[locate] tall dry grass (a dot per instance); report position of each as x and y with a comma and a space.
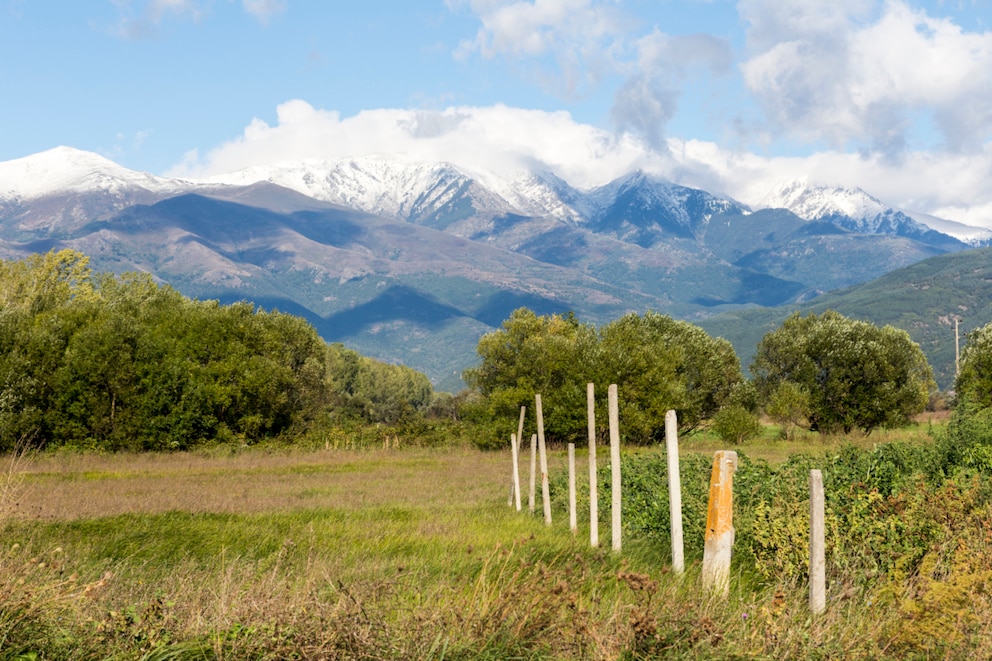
407, 554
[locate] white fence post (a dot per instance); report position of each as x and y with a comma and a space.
720, 524
573, 521
516, 470
533, 471
593, 490
543, 451
520, 439
674, 491
614, 414
817, 551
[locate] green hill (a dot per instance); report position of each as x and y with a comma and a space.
923, 299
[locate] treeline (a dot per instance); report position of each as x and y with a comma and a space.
823, 373
120, 362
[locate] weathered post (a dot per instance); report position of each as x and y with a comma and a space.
516, 470
533, 470
520, 438
613, 406
543, 451
674, 491
720, 524
593, 490
817, 550
573, 522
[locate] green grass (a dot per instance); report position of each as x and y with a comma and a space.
385, 554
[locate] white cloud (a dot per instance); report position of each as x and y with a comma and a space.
264, 10
876, 75
648, 99
505, 140
495, 138
583, 37
590, 40
146, 21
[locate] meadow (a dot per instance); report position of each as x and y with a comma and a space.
409, 553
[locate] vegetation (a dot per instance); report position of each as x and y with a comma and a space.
974, 381
343, 554
923, 299
852, 374
658, 363
105, 362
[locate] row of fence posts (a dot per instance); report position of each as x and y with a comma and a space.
719, 541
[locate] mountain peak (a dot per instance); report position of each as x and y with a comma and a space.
67, 169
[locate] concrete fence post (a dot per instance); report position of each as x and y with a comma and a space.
520, 439
674, 491
719, 545
817, 550
573, 520
533, 471
516, 469
542, 450
593, 490
613, 406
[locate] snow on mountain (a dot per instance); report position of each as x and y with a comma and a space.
975, 236
384, 187
68, 170
851, 208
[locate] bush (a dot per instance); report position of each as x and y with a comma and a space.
735, 425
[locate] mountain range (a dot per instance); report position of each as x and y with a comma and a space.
411, 262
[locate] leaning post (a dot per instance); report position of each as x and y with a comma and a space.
720, 524
593, 490
674, 491
520, 438
817, 552
614, 414
516, 470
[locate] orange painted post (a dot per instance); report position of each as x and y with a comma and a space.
720, 524
593, 488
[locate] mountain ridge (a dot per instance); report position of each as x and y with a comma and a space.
356, 245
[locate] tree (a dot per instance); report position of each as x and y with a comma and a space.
974, 380
550, 355
662, 363
855, 374
658, 364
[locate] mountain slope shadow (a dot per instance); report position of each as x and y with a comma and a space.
397, 303
499, 306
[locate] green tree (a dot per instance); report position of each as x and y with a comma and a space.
661, 363
856, 375
974, 380
552, 355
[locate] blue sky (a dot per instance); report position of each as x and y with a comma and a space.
891, 95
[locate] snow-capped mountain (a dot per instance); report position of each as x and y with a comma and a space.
66, 170
391, 255
850, 208
643, 209
57, 190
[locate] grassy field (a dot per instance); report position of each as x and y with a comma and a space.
400, 554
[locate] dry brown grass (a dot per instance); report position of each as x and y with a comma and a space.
79, 486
